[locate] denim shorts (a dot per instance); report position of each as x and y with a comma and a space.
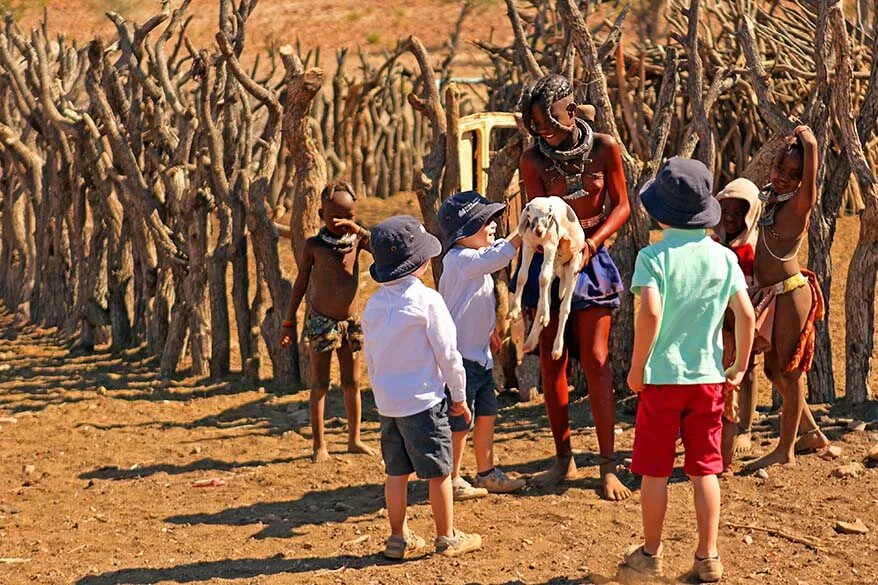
480, 395
419, 443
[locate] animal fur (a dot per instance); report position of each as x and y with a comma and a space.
549, 224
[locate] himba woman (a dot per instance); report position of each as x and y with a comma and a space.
571, 161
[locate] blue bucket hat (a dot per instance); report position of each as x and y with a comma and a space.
680, 195
400, 245
463, 214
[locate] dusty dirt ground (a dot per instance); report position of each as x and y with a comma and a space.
100, 464
99, 461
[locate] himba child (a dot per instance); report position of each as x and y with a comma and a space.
737, 230
468, 225
411, 353
787, 299
329, 269
685, 283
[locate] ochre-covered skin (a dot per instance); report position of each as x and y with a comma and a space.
794, 170
603, 179
333, 279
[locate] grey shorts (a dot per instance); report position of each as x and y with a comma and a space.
480, 395
419, 443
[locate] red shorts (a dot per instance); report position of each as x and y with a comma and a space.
692, 410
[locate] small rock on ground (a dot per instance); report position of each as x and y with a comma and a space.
857, 425
853, 470
831, 452
856, 527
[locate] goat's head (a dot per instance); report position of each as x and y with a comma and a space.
538, 218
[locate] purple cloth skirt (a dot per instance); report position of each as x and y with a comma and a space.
598, 285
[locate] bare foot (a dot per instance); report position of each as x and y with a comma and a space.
776, 457
743, 442
321, 454
360, 448
612, 488
563, 468
813, 440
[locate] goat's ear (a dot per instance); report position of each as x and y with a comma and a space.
524, 218
571, 215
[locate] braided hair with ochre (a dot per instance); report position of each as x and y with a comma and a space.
544, 93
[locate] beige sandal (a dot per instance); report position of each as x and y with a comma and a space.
400, 548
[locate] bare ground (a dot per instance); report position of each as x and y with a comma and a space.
100, 460
100, 464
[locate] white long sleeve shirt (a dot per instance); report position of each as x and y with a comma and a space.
410, 347
468, 290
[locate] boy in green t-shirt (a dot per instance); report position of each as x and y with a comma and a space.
685, 283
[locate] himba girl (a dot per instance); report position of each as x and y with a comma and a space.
571, 161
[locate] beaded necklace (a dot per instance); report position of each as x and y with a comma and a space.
578, 157
772, 201
339, 244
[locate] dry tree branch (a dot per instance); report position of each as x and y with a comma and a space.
451, 178
772, 113
706, 143
523, 55
427, 182
585, 46
614, 37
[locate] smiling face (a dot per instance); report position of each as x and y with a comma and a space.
482, 238
786, 172
564, 111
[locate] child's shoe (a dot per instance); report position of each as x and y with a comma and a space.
640, 562
460, 543
399, 548
708, 570
497, 482
462, 490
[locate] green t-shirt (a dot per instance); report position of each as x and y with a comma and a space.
696, 278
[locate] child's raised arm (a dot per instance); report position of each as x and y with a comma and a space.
806, 196
488, 260
745, 330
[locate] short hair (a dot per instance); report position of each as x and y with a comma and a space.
795, 147
544, 93
790, 147
333, 186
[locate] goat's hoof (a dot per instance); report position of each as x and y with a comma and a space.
556, 354
514, 314
544, 320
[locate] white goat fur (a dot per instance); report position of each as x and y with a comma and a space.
551, 224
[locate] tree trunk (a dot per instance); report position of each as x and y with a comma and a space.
120, 269
863, 270
500, 174
860, 307
301, 87
428, 182
220, 339
195, 283
92, 306
241, 281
